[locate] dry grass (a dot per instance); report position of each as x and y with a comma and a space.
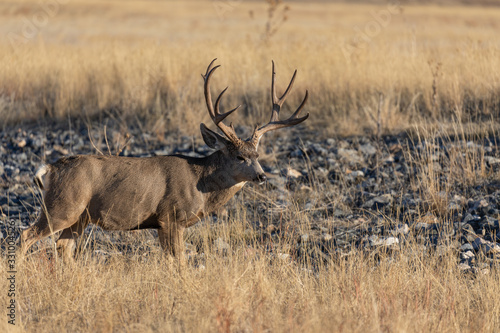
250, 289
262, 282
141, 62
438, 173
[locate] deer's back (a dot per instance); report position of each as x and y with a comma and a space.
122, 193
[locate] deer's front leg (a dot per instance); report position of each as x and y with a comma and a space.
172, 239
67, 239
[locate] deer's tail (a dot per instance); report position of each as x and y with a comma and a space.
39, 176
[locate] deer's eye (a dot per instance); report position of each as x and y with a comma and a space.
241, 158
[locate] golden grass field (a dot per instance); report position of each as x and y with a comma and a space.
143, 60
250, 291
139, 62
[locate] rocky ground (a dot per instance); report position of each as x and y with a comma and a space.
439, 194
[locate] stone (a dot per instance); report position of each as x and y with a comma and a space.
296, 153
21, 143
463, 266
469, 217
492, 160
488, 223
284, 256
334, 205
454, 206
379, 202
486, 246
292, 173
330, 142
305, 189
375, 240
190, 249
481, 207
271, 228
428, 219
276, 181
402, 229
466, 247
467, 255
478, 243
60, 150
483, 271
326, 237
368, 149
354, 175
250, 252
350, 155
221, 246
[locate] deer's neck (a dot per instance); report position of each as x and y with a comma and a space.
216, 183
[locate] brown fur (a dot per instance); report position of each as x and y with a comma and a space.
169, 193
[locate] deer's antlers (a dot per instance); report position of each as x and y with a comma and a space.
216, 116
275, 123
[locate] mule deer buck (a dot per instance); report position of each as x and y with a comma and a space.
168, 193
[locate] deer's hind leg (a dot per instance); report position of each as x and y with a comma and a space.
37, 231
45, 227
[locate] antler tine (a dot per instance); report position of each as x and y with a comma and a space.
209, 68
275, 98
215, 114
278, 102
275, 123
291, 121
297, 112
221, 117
208, 95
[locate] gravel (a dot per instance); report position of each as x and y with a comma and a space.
355, 192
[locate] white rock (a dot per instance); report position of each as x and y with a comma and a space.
454, 206
368, 149
350, 155
487, 246
283, 256
467, 255
21, 143
221, 245
355, 175
492, 160
326, 237
402, 229
383, 241
292, 173
463, 266
305, 189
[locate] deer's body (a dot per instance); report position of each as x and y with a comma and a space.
168, 193
126, 193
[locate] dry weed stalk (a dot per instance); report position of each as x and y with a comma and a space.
435, 71
275, 18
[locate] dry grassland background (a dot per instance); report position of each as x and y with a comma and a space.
142, 60
423, 70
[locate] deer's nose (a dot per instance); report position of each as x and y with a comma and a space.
261, 178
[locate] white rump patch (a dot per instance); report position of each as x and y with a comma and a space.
40, 175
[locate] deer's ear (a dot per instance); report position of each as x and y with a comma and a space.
212, 139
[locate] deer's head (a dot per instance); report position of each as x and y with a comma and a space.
240, 156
